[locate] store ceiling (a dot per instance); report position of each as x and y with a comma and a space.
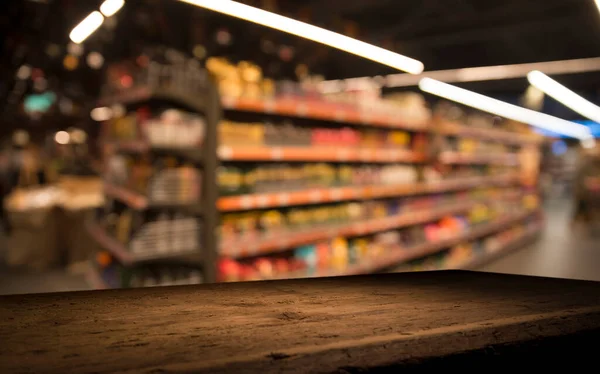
444, 34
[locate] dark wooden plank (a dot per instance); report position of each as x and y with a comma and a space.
295, 326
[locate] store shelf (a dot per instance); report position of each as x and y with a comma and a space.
122, 254
323, 154
399, 255
286, 240
144, 94
95, 280
138, 201
141, 146
131, 198
481, 158
320, 110
328, 195
514, 244
450, 128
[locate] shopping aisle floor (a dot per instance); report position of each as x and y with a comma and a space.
561, 252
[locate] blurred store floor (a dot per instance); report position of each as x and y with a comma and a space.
561, 252
13, 281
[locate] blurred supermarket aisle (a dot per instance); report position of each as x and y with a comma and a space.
561, 252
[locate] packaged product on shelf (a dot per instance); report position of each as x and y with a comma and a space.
308, 255
242, 134
398, 139
230, 180
323, 255
272, 222
174, 128
420, 142
339, 254
147, 234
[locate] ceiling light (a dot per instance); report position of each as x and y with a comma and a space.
24, 72
311, 32
62, 137
86, 27
70, 62
20, 137
533, 98
489, 73
110, 7
75, 49
199, 51
101, 114
563, 95
500, 108
95, 60
223, 37
78, 136
588, 143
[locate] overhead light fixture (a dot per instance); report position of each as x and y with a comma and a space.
86, 27
110, 7
101, 114
95, 60
502, 109
62, 137
314, 33
564, 95
24, 72
487, 73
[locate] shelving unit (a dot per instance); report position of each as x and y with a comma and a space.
399, 255
323, 111
452, 196
204, 102
329, 195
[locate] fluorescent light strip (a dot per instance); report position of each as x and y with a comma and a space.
564, 95
311, 32
502, 109
477, 74
110, 7
86, 27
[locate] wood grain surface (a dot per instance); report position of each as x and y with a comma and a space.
293, 326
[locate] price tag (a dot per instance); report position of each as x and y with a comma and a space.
277, 153
343, 154
302, 109
262, 201
246, 202
364, 117
253, 249
315, 196
270, 106
283, 199
228, 102
364, 155
224, 152
336, 195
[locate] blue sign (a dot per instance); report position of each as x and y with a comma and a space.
39, 102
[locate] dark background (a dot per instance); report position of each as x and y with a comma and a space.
443, 34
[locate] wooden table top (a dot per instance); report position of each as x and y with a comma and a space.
295, 326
